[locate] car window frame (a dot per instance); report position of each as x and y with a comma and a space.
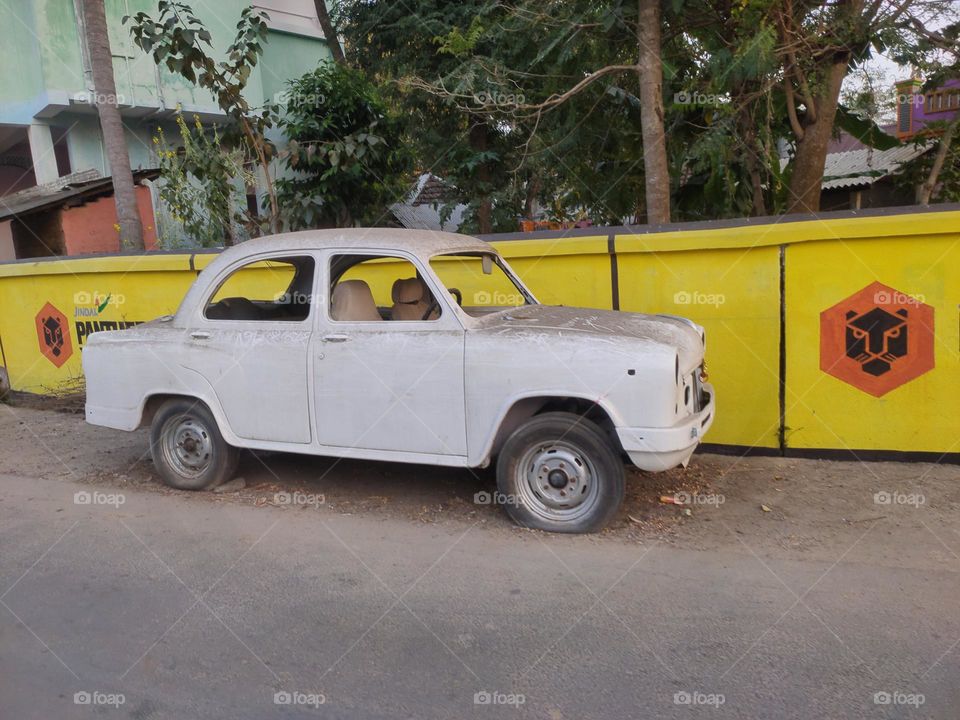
218, 282
425, 272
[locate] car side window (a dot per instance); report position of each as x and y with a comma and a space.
378, 288
276, 289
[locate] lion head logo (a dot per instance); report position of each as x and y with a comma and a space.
876, 339
53, 335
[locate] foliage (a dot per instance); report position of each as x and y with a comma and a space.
178, 39
395, 42
495, 100
914, 173
199, 184
348, 158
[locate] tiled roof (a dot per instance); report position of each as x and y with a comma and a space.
73, 189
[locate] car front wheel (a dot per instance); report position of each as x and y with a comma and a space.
559, 472
187, 448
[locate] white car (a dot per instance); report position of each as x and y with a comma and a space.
407, 346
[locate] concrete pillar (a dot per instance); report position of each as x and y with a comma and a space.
41, 151
7, 250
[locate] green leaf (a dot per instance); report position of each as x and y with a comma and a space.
865, 130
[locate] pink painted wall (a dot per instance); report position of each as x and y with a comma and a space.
89, 228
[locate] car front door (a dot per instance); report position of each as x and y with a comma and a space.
251, 343
381, 382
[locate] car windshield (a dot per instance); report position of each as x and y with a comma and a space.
480, 282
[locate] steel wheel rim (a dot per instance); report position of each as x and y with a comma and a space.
186, 445
557, 481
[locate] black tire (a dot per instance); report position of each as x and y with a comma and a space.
187, 448
560, 472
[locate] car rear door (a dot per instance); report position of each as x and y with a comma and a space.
254, 357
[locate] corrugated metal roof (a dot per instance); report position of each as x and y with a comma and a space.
864, 167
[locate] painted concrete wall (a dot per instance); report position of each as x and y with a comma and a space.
788, 366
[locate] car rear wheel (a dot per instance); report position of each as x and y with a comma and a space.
187, 448
559, 472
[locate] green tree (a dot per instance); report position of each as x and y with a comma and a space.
178, 39
346, 154
201, 184
397, 42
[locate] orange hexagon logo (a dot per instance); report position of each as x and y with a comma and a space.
877, 339
53, 333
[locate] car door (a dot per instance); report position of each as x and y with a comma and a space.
250, 341
382, 384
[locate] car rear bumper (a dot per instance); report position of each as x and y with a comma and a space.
116, 418
657, 449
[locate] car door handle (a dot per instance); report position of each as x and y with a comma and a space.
200, 335
335, 338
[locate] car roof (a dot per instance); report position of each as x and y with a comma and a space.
419, 242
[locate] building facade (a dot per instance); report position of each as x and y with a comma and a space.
48, 122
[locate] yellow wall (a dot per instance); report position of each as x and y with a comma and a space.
824, 411
727, 279
735, 295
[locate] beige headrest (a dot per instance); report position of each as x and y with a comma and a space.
353, 301
411, 290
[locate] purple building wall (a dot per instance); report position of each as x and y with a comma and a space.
915, 110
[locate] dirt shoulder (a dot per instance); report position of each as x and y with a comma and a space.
792, 507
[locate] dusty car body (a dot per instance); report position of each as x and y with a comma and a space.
443, 375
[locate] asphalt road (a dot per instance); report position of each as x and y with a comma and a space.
169, 606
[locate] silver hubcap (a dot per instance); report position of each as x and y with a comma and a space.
557, 481
187, 446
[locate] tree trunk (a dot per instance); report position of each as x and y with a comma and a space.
329, 32
925, 191
656, 172
812, 145
111, 124
478, 142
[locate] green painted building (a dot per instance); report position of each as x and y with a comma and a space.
48, 125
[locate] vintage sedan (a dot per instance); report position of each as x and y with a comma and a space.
407, 346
